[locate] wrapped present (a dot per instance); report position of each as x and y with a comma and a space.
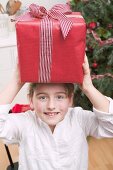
51, 45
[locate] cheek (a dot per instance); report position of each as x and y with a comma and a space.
40, 107
64, 106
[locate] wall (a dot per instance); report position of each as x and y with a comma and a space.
47, 3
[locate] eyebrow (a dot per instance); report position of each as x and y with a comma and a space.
42, 93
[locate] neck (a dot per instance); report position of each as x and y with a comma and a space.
52, 128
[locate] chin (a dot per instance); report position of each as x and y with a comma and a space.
54, 123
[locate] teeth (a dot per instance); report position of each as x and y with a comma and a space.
51, 114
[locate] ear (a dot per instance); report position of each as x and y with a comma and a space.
71, 100
31, 106
31, 102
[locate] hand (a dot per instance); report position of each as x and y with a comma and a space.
87, 82
98, 100
16, 75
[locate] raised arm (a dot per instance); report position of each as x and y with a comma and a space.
8, 94
99, 101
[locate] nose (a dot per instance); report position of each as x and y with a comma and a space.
51, 104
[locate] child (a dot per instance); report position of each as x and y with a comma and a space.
52, 135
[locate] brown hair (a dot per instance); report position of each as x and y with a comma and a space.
33, 86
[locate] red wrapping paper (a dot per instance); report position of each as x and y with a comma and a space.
67, 54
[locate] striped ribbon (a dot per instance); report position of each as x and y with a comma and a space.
58, 12
45, 50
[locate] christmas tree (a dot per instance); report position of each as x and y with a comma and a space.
99, 45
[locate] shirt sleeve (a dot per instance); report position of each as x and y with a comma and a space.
9, 125
110, 105
97, 124
105, 122
5, 108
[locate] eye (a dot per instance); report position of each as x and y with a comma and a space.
60, 97
42, 98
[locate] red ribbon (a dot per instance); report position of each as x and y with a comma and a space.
58, 13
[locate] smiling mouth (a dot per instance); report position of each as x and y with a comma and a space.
51, 114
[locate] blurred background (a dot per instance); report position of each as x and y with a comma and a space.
99, 45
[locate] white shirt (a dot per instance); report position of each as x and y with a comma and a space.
66, 148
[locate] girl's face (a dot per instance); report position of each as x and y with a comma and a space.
51, 103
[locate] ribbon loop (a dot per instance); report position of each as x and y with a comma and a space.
65, 23
37, 11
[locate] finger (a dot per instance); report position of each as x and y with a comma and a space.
86, 65
86, 60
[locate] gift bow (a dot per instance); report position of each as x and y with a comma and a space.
58, 13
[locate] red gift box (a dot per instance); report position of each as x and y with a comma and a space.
67, 54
